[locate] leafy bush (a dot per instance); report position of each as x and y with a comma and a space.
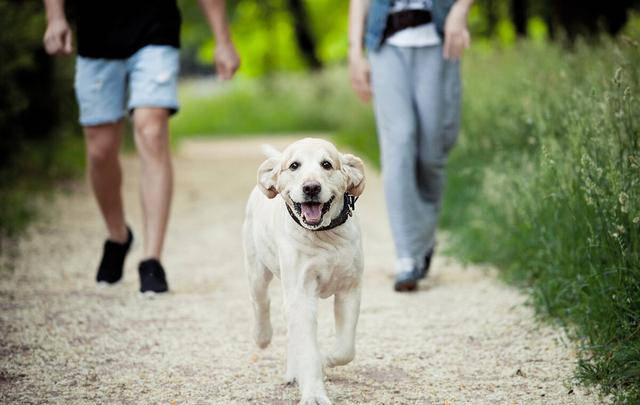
37, 111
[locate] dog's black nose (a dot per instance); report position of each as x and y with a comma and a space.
311, 188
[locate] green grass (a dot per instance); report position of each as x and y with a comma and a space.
544, 182
278, 104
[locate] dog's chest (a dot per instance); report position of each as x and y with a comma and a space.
335, 269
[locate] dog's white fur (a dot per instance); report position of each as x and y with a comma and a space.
310, 264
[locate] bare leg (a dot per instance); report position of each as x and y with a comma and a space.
346, 309
151, 127
103, 145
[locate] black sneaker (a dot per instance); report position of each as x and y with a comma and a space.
113, 255
152, 278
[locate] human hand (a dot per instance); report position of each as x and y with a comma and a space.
57, 38
360, 75
456, 34
226, 60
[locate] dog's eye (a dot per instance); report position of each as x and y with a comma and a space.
326, 165
294, 165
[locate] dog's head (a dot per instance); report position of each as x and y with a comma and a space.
312, 178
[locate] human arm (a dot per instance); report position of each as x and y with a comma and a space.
359, 71
456, 34
226, 57
57, 38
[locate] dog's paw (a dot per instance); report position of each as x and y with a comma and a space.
328, 360
337, 358
289, 378
262, 335
315, 400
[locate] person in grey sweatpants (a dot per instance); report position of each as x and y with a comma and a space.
412, 70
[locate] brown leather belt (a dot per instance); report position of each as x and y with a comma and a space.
405, 19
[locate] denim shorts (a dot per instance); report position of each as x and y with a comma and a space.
107, 88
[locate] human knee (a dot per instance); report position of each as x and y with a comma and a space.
431, 161
399, 136
151, 134
398, 153
101, 149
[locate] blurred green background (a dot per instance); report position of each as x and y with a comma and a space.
544, 182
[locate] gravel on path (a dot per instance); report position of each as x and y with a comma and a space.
463, 338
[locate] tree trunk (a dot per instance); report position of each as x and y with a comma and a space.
616, 17
304, 37
519, 16
492, 17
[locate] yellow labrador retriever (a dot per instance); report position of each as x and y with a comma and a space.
309, 239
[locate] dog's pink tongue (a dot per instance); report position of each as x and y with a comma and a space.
312, 212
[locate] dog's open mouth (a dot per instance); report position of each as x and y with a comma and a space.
312, 212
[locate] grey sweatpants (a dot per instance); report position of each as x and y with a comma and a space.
417, 109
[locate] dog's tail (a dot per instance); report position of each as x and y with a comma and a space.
270, 151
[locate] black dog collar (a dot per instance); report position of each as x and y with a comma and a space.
347, 208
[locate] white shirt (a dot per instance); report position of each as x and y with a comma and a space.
422, 35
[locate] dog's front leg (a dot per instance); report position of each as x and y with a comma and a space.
346, 308
303, 357
259, 279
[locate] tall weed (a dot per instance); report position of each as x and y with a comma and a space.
549, 175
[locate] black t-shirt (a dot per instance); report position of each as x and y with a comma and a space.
116, 29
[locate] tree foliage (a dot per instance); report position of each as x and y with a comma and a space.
286, 35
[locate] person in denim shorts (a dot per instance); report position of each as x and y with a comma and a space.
128, 62
412, 71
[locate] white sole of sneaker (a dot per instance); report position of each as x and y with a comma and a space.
148, 295
102, 285
151, 295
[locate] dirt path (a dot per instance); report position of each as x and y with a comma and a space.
464, 338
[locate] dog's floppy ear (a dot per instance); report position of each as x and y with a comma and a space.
268, 176
353, 168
